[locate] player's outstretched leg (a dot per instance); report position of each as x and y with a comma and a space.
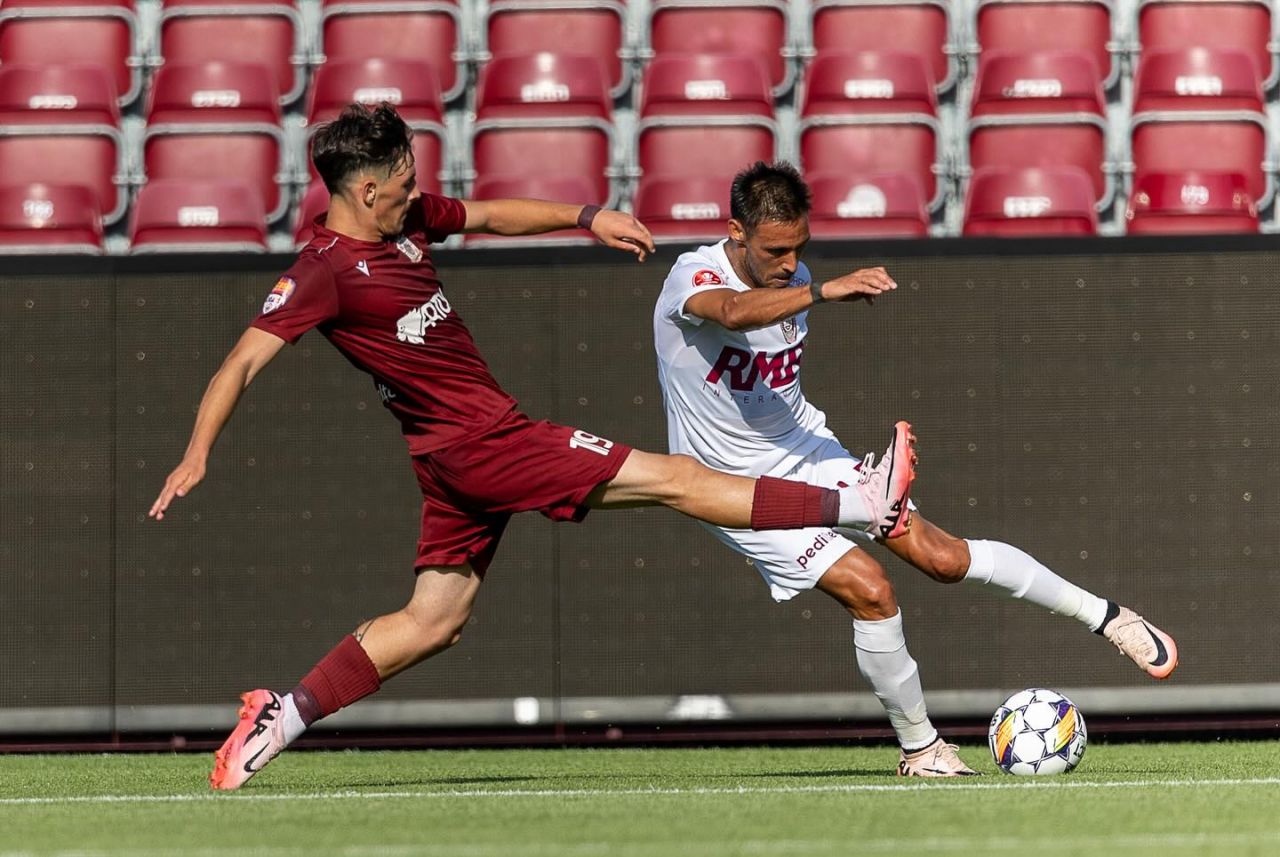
257, 739
1143, 643
939, 759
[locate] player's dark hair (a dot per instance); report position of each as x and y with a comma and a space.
768, 193
361, 138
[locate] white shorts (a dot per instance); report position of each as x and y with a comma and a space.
791, 561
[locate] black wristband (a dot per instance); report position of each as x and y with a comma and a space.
815, 292
587, 215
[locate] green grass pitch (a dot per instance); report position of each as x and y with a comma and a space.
1130, 799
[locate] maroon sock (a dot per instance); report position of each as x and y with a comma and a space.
342, 677
781, 504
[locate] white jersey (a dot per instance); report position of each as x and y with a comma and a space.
733, 398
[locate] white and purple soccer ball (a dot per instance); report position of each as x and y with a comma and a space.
1037, 732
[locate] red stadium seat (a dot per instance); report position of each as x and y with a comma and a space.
1233, 24
410, 85
545, 115
217, 120
911, 26
589, 27
183, 216
60, 125
1041, 110
1030, 201
871, 112
889, 205
47, 218
702, 112
1200, 109
1190, 203
262, 31
755, 28
570, 189
1031, 26
314, 203
418, 30
75, 32
683, 208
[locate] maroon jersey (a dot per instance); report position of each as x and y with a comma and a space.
381, 304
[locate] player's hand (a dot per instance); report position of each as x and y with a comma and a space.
621, 231
184, 477
866, 284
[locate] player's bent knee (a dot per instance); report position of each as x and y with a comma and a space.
949, 564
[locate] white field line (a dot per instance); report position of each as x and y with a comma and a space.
839, 788
927, 844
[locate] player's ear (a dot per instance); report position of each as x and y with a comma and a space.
737, 234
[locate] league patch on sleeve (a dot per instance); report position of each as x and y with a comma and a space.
279, 295
706, 277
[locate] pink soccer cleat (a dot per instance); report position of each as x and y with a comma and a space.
1146, 645
885, 487
939, 759
257, 739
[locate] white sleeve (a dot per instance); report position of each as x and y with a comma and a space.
685, 279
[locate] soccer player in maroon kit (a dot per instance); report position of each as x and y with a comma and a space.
366, 281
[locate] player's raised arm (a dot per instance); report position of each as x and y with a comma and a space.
615, 229
255, 350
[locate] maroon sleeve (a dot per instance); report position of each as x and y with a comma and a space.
442, 216
303, 298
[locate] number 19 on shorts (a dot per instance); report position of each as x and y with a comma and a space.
588, 441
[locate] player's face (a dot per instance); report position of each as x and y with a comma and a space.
771, 251
391, 203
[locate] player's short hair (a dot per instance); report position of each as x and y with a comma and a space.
768, 193
361, 138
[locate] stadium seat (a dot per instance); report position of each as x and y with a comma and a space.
1031, 26
1030, 201
545, 115
1200, 109
61, 125
49, 218
1236, 24
1041, 110
911, 26
702, 113
185, 216
75, 32
756, 28
314, 203
1189, 203
871, 112
216, 120
683, 208
419, 30
262, 31
570, 189
410, 85
590, 27
845, 205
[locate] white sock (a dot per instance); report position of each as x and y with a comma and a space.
1023, 577
291, 720
853, 509
885, 663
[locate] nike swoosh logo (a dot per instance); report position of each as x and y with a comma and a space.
1162, 656
247, 765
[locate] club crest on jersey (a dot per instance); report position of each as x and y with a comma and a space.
279, 295
706, 277
789, 329
409, 249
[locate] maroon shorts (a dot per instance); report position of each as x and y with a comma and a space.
471, 488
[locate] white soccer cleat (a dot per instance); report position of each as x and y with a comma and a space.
885, 488
257, 739
1146, 645
939, 759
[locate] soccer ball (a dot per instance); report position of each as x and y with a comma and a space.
1037, 731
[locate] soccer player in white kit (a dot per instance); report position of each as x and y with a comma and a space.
729, 329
